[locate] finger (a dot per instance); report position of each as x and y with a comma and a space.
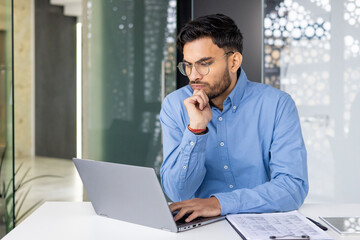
178, 205
196, 91
196, 99
193, 216
181, 213
202, 102
204, 98
175, 206
188, 202
203, 95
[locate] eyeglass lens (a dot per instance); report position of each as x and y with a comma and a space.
201, 67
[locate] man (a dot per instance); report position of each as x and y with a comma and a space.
230, 145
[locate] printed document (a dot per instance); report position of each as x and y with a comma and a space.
281, 225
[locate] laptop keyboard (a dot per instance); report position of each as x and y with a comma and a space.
181, 221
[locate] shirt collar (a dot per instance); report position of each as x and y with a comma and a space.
238, 92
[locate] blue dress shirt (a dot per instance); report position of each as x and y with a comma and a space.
253, 159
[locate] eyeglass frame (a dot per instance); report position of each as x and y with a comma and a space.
199, 61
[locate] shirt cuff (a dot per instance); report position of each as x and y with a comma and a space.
193, 143
228, 201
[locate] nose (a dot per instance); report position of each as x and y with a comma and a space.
194, 75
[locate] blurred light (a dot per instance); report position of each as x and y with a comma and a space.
309, 32
319, 32
267, 22
296, 33
349, 40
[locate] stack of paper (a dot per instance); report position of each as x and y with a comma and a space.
289, 225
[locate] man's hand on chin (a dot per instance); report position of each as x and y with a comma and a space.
198, 207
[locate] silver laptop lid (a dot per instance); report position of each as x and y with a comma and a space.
128, 193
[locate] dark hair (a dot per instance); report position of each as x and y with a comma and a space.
222, 29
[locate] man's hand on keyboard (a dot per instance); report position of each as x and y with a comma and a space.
198, 207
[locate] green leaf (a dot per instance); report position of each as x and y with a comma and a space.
8, 199
17, 186
22, 200
8, 187
21, 196
17, 170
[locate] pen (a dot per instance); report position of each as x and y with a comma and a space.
318, 224
302, 237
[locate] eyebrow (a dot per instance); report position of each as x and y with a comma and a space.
200, 60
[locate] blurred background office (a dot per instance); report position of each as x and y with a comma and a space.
86, 78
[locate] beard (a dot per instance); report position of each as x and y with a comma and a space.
219, 87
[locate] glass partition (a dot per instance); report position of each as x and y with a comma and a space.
129, 63
6, 119
312, 51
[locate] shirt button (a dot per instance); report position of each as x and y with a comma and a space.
220, 119
234, 107
226, 167
184, 167
231, 186
222, 144
192, 143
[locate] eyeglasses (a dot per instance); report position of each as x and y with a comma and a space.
202, 67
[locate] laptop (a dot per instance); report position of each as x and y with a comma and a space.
132, 194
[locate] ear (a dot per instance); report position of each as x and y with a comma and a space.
236, 61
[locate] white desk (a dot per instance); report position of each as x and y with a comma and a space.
77, 220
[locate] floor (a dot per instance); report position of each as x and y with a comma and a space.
52, 180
